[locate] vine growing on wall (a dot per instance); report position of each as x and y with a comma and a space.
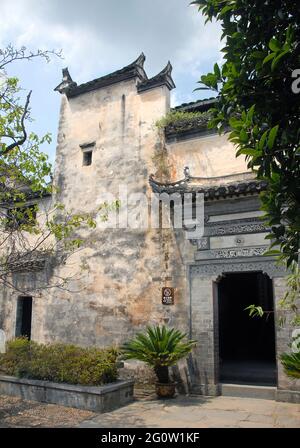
160, 158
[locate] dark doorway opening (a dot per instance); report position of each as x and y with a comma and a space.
24, 315
246, 345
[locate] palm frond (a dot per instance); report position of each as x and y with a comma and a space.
158, 346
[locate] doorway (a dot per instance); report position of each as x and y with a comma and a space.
24, 316
246, 344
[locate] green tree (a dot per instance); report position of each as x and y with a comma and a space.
30, 231
259, 102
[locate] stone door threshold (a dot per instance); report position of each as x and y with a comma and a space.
264, 392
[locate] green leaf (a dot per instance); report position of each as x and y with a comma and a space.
289, 33
243, 136
258, 54
262, 140
272, 136
254, 311
226, 9
201, 88
272, 252
217, 71
278, 58
274, 44
269, 57
250, 113
235, 123
249, 152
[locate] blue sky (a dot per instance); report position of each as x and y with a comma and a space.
100, 36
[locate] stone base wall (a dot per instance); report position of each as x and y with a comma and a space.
288, 396
98, 399
137, 371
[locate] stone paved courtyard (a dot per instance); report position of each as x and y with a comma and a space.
200, 412
17, 413
147, 411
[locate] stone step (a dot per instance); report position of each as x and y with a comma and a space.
247, 391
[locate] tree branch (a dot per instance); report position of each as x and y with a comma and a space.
10, 54
22, 139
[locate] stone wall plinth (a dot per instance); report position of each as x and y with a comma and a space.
93, 398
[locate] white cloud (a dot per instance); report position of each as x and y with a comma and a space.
201, 47
99, 36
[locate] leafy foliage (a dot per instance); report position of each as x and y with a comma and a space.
62, 363
30, 229
257, 101
181, 120
159, 347
255, 311
21, 163
291, 364
291, 300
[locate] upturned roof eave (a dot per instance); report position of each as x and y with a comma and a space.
222, 190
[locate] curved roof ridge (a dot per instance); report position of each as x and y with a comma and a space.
239, 187
203, 104
164, 77
133, 70
189, 178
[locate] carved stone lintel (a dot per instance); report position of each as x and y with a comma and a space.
201, 243
216, 269
239, 252
234, 228
233, 252
239, 240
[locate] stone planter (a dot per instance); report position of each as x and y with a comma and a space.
93, 398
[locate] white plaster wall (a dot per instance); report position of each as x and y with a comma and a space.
207, 156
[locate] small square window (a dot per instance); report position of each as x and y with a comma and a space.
87, 153
87, 158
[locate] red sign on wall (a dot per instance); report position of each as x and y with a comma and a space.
168, 296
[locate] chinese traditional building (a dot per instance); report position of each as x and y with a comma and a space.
108, 137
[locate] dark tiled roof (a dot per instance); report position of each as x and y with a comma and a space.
200, 105
67, 82
163, 78
190, 126
133, 70
211, 191
194, 125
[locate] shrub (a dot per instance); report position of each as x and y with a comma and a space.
183, 121
16, 357
159, 347
62, 363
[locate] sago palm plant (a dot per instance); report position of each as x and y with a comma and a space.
159, 347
